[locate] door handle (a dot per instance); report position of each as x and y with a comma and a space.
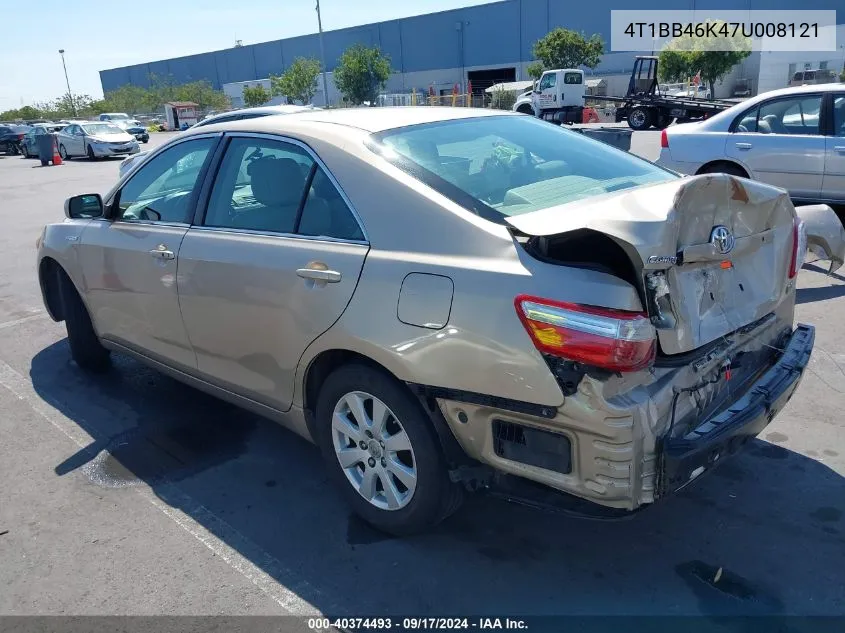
839, 148
317, 274
162, 253
743, 146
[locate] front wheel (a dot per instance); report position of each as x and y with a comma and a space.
381, 450
90, 153
63, 153
639, 119
24, 151
85, 347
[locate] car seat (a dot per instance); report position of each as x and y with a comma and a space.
277, 185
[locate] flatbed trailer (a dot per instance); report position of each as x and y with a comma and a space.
644, 107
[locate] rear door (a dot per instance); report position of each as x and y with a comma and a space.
833, 186
780, 143
270, 266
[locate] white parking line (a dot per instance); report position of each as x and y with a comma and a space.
40, 314
275, 580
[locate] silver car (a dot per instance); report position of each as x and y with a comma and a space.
448, 299
792, 138
95, 140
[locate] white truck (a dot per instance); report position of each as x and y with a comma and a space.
557, 97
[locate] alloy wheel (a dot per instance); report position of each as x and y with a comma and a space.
374, 451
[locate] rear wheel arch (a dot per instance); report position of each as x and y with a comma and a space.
723, 166
328, 361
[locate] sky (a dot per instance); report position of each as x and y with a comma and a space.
100, 34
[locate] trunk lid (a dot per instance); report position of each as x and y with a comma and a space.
714, 250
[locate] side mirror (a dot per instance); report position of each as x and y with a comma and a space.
86, 206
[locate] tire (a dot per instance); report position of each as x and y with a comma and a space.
724, 168
639, 119
14, 150
90, 153
24, 151
63, 153
432, 496
663, 122
146, 140
525, 109
85, 347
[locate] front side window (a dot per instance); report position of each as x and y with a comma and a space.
161, 190
548, 81
500, 166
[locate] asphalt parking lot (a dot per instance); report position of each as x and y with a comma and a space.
133, 494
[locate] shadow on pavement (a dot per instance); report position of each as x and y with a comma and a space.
764, 533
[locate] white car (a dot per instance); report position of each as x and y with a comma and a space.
223, 117
95, 140
792, 138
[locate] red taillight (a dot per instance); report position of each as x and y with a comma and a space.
664, 139
612, 339
799, 247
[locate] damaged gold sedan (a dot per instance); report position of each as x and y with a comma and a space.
448, 300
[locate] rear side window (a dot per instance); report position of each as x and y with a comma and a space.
276, 187
799, 115
839, 116
572, 78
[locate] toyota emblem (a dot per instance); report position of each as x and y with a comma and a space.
722, 239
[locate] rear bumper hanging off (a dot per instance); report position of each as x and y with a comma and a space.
683, 459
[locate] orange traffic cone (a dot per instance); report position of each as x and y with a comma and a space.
57, 158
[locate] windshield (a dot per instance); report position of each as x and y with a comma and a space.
101, 128
509, 165
117, 115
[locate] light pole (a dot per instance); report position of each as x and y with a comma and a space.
322, 55
67, 81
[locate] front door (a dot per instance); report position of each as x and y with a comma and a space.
833, 187
271, 266
130, 261
780, 143
546, 95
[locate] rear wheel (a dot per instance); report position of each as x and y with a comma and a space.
85, 347
14, 150
382, 452
663, 121
639, 119
723, 168
24, 151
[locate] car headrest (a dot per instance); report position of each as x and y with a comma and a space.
276, 181
763, 127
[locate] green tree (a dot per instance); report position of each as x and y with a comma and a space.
255, 96
713, 56
565, 48
361, 72
298, 82
26, 113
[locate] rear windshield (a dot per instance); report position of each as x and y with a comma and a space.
509, 165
